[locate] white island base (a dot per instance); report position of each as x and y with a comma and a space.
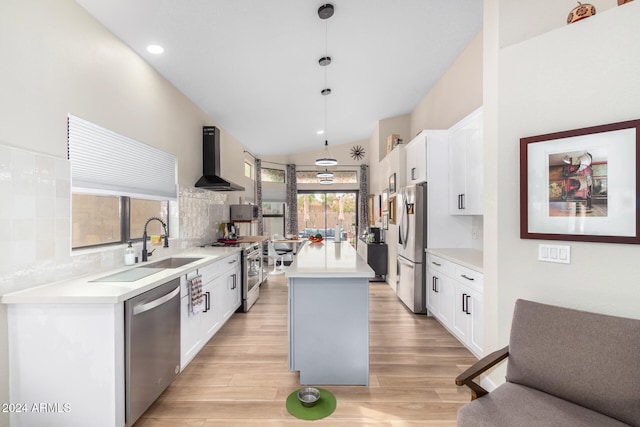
329, 315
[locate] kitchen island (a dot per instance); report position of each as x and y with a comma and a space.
329, 315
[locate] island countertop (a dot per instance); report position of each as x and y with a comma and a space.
329, 259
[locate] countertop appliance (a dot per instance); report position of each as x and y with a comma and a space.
240, 213
211, 179
252, 271
152, 346
424, 222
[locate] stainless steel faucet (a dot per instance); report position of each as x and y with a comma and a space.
146, 254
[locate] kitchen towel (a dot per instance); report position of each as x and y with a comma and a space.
196, 296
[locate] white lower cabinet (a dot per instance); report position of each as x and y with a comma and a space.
454, 297
222, 291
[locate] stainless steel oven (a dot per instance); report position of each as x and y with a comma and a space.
252, 274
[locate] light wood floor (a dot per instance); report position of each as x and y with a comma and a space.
240, 377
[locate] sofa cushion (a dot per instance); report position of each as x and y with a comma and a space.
586, 358
513, 405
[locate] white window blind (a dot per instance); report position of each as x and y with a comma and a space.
104, 162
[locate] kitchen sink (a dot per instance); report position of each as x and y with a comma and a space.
145, 270
130, 275
173, 262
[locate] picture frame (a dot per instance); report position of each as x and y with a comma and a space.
392, 183
385, 220
370, 209
581, 184
392, 209
385, 200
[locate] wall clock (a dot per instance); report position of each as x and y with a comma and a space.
357, 152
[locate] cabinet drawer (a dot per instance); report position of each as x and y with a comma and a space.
468, 277
435, 263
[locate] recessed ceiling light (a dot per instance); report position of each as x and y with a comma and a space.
155, 49
320, 132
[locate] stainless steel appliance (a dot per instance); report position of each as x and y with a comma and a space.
244, 213
412, 227
252, 275
424, 222
152, 346
252, 271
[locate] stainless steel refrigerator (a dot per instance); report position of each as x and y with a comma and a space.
424, 222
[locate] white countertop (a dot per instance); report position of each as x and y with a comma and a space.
329, 259
470, 258
82, 290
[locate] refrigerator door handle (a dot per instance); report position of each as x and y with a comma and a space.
404, 221
405, 262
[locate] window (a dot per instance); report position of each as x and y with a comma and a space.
103, 219
248, 170
339, 177
117, 184
272, 175
273, 218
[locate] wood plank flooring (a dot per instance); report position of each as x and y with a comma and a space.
240, 378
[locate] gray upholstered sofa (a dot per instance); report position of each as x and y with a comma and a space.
565, 368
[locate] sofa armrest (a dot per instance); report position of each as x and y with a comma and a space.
481, 366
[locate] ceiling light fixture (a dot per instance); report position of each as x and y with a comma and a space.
326, 181
155, 49
325, 158
326, 173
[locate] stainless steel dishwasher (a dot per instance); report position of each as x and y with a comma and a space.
152, 346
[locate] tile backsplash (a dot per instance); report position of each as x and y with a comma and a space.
35, 223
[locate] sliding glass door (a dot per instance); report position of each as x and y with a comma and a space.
319, 212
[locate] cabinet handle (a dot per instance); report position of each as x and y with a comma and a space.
467, 277
232, 261
467, 310
207, 305
464, 302
436, 264
459, 201
462, 197
235, 281
435, 284
413, 173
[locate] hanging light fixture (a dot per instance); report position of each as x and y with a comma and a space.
326, 181
326, 173
325, 158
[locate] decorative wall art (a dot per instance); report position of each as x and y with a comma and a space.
392, 183
582, 184
385, 200
385, 220
392, 209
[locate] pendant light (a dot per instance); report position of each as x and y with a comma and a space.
326, 173
326, 181
325, 158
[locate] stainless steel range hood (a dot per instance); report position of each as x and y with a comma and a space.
211, 179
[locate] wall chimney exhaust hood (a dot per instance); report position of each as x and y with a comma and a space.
211, 179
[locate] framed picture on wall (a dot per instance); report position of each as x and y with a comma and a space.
385, 200
392, 209
392, 183
581, 184
385, 220
370, 209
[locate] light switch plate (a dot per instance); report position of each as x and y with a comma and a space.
554, 253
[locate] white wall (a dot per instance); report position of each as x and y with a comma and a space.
575, 76
56, 59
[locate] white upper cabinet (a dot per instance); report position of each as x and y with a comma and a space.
465, 165
416, 159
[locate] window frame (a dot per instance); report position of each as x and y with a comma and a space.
125, 221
